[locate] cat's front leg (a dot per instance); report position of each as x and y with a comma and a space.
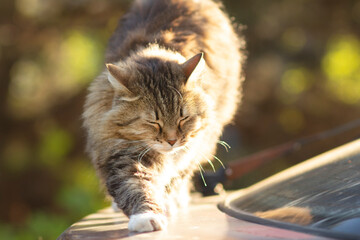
135, 194
135, 197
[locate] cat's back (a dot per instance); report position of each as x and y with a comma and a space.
185, 26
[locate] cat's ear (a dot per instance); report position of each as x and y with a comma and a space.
117, 77
194, 66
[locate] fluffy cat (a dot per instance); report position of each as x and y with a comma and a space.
171, 84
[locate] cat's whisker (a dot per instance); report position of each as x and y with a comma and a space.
201, 169
225, 145
201, 174
209, 161
142, 153
227, 150
218, 159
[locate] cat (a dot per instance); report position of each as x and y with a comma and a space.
171, 83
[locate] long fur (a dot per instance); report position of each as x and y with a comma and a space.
150, 45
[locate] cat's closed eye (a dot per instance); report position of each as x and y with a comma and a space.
155, 125
183, 120
127, 122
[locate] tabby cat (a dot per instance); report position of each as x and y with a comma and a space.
156, 112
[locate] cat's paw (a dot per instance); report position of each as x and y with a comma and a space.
147, 222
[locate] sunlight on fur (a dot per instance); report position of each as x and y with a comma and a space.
157, 111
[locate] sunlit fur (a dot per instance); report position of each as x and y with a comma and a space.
129, 131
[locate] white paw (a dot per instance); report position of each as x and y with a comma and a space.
147, 222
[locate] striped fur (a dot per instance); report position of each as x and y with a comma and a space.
131, 123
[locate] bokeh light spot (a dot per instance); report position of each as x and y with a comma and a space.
80, 60
341, 65
295, 81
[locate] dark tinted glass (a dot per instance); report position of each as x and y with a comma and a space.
322, 194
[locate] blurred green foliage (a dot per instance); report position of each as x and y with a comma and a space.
81, 57
303, 76
63, 67
49, 181
54, 146
341, 64
295, 80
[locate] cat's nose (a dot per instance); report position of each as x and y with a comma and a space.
172, 142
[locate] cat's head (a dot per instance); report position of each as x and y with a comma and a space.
159, 102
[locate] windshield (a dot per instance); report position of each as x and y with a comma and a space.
321, 195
